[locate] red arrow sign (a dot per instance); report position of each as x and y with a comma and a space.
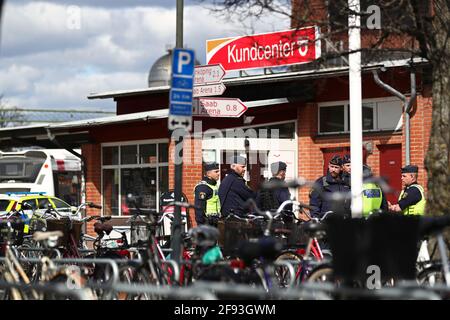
219, 107
208, 74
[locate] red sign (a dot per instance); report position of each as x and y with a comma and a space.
219, 107
265, 50
208, 74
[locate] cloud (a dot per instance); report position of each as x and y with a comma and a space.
47, 63
18, 78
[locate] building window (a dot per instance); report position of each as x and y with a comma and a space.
376, 116
332, 119
141, 175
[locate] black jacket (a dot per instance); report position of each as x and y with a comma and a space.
233, 193
272, 199
320, 196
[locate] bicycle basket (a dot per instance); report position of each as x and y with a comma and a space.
140, 233
232, 232
67, 227
298, 237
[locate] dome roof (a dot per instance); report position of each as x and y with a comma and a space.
161, 70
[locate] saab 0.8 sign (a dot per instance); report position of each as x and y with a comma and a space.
265, 50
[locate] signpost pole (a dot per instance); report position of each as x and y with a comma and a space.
178, 183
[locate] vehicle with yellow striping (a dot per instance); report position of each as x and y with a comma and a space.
38, 203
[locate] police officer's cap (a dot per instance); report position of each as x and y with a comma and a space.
211, 166
336, 160
410, 169
346, 159
277, 167
238, 160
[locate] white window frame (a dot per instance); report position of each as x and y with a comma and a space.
138, 165
346, 105
218, 145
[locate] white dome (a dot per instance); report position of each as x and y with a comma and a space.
161, 70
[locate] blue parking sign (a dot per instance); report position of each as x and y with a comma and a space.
180, 105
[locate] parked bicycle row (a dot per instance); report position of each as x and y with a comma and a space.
266, 254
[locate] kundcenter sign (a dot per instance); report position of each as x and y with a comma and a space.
265, 50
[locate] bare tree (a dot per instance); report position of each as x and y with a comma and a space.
408, 28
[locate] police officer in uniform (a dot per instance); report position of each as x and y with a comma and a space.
346, 169
412, 198
320, 197
206, 196
233, 191
272, 199
374, 199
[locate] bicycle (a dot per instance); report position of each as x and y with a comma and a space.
310, 260
70, 225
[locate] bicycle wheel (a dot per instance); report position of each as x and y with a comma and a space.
31, 269
282, 274
67, 282
321, 274
139, 276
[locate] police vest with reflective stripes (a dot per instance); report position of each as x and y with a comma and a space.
213, 203
372, 198
419, 207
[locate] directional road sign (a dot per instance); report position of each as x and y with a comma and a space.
206, 74
180, 105
215, 89
219, 107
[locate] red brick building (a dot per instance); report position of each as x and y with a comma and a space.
132, 152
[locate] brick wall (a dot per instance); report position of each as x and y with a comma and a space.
310, 147
92, 154
420, 129
192, 169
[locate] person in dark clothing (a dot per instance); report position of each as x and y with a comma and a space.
320, 197
272, 199
233, 191
346, 170
206, 196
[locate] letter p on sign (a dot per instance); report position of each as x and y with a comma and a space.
183, 61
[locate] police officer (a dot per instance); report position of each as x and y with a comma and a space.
272, 199
320, 197
206, 196
233, 191
374, 199
412, 198
346, 169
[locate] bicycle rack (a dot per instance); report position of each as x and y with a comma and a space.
58, 253
78, 294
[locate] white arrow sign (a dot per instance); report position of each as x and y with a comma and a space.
205, 74
209, 90
219, 107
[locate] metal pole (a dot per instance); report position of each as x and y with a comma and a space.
176, 242
354, 44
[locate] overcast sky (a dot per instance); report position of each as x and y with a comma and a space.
51, 59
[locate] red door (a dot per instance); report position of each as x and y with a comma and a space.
390, 168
